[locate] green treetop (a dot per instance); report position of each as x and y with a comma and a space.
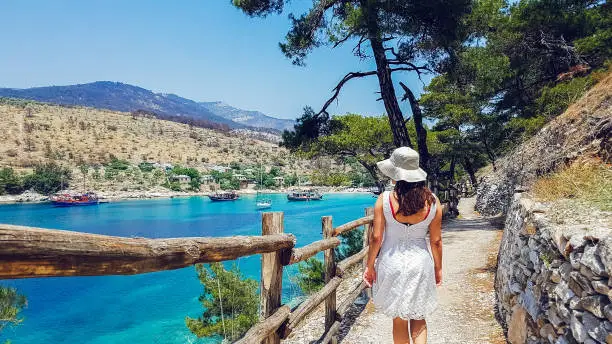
400, 36
11, 304
230, 303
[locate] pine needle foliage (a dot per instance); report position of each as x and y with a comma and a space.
311, 276
11, 304
230, 303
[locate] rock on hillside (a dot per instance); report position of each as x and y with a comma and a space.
584, 130
246, 117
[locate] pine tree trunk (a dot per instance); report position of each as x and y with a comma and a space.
421, 133
469, 168
387, 90
372, 171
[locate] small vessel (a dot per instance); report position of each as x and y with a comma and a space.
74, 199
224, 196
262, 203
305, 195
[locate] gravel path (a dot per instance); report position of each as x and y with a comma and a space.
466, 298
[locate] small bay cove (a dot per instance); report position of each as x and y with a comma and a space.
150, 308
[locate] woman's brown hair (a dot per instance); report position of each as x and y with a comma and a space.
412, 197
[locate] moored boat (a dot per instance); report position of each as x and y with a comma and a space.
306, 195
74, 199
224, 196
264, 203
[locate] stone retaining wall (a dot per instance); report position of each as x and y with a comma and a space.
553, 279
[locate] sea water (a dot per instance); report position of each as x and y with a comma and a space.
150, 308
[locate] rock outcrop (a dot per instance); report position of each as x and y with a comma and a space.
553, 280
584, 130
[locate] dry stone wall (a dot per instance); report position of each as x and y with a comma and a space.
553, 280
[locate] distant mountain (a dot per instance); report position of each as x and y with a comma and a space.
123, 97
246, 117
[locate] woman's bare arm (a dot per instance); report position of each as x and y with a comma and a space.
375, 240
435, 239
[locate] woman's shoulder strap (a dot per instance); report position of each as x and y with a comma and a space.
432, 208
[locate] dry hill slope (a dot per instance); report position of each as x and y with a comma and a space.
34, 132
583, 131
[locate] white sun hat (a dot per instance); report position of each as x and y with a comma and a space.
403, 165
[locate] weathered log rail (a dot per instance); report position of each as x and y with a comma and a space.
27, 252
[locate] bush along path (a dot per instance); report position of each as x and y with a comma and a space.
466, 299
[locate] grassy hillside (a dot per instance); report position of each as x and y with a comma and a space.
579, 137
34, 133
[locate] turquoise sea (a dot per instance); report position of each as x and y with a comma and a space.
149, 308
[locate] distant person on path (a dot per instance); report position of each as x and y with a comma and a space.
400, 269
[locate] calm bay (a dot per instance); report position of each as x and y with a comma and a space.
150, 308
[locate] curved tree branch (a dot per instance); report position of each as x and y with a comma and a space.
338, 87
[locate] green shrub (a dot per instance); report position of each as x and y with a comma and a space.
554, 100
118, 164
11, 304
229, 300
174, 186
146, 166
352, 242
10, 183
230, 184
192, 173
48, 178
311, 276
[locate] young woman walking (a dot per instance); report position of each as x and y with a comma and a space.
400, 268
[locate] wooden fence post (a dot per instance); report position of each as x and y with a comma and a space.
330, 272
271, 272
367, 230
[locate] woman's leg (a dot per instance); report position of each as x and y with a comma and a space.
418, 331
400, 331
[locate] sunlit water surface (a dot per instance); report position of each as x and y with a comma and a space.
149, 308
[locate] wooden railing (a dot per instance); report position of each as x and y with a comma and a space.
27, 252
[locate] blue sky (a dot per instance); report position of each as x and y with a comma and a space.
205, 50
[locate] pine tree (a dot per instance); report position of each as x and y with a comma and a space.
230, 303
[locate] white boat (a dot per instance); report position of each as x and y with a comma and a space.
262, 203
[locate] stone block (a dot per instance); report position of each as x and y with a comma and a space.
601, 287
608, 311
517, 327
563, 291
553, 316
555, 276
578, 330
594, 304
565, 270
580, 284
574, 303
534, 258
548, 331
604, 251
595, 327
592, 260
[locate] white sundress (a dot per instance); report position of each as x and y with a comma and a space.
405, 284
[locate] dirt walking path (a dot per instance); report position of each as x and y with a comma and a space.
466, 298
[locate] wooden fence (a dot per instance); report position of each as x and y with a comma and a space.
27, 252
